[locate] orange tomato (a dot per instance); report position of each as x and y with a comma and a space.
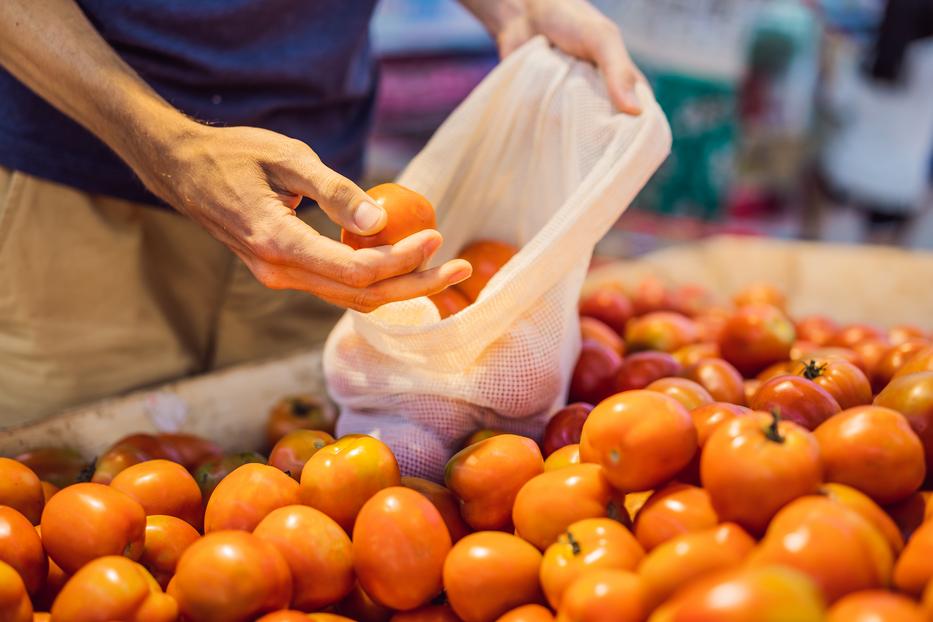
922, 360
428, 613
115, 460
834, 545
587, 545
871, 351
875, 606
686, 557
687, 392
660, 330
756, 336
905, 332
567, 455
874, 450
708, 417
87, 521
407, 213
488, 573
528, 613
487, 476
927, 601
328, 617
868, 509
891, 362
760, 293
285, 615
914, 567
211, 472
692, 354
634, 502
720, 379
231, 576
604, 596
299, 412
817, 329
246, 496
844, 381
41, 616
48, 489
162, 487
360, 607
584, 492
21, 489
591, 328
341, 477
481, 435
449, 302
751, 388
317, 551
190, 449
673, 510
399, 533
610, 306
59, 465
295, 449
119, 588
167, 537
487, 257
55, 580
912, 396
767, 594
641, 439
21, 548
14, 601
781, 368
854, 334
445, 502
754, 465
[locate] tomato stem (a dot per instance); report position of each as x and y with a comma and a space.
301, 407
771, 432
87, 472
811, 370
574, 545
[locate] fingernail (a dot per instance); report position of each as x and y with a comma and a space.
367, 216
631, 102
462, 274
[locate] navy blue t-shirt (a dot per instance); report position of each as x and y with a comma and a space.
299, 67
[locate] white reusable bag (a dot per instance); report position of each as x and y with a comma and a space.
535, 156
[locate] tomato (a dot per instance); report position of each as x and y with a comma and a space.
641, 439
564, 427
487, 476
605, 596
428, 613
639, 370
755, 336
847, 354
751, 388
449, 302
755, 464
909, 514
675, 509
854, 334
722, 380
342, 476
834, 545
246, 496
119, 588
767, 594
892, 361
781, 368
231, 576
584, 492
914, 567
210, 473
299, 412
445, 502
660, 330
927, 602
610, 306
295, 448
586, 545
710, 325
317, 551
21, 489
41, 616
848, 385
874, 450
912, 396
14, 601
488, 573
487, 257
54, 582
360, 607
87, 521
796, 399
692, 354
528, 613
650, 295
407, 213
167, 537
48, 490
689, 299
817, 329
921, 361
115, 460
328, 617
21, 548
192, 450
868, 509
691, 555
59, 465
594, 373
285, 615
595, 330
154, 446
800, 349
399, 533
903, 333
875, 606
634, 502
708, 417
760, 293
162, 487
871, 351
482, 435
564, 457
687, 392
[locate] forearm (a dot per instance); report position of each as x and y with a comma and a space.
53, 49
495, 14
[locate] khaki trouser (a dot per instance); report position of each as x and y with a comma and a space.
99, 296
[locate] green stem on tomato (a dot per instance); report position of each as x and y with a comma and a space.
771, 432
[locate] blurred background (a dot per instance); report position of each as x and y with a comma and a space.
808, 119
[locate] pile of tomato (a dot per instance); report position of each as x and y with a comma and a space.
717, 463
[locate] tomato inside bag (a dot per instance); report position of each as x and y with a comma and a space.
538, 157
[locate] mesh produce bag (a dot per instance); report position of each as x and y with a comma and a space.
536, 156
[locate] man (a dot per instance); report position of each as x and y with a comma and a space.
228, 111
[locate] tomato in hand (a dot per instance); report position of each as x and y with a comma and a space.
565, 427
21, 548
162, 487
59, 465
912, 396
449, 302
21, 489
407, 213
875, 606
294, 449
914, 567
246, 496
192, 450
487, 476
14, 601
210, 473
673, 510
796, 399
299, 412
756, 336
564, 457
687, 392
595, 330
848, 385
604, 596
167, 537
610, 306
593, 375
487, 257
719, 378
817, 329
660, 330
445, 502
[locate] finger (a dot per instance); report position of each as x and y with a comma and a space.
618, 69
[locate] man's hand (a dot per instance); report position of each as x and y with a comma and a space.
574, 26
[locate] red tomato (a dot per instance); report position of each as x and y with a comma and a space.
119, 588
167, 537
407, 213
687, 392
755, 336
755, 464
59, 465
445, 502
650, 295
848, 385
317, 551
760, 293
295, 448
909, 514
796, 399
342, 476
751, 388
87, 521
449, 302
14, 601
487, 476
115, 460
641, 439
690, 355
246, 496
595, 330
854, 334
722, 380
673, 510
610, 306
817, 329
21, 489
914, 567
564, 427
210, 473
660, 330
487, 257
528, 613
875, 606
162, 487
871, 351
892, 361
690, 299
605, 596
841, 353
299, 412
399, 533
593, 375
639, 370
192, 451
21, 548
710, 324
565, 456
912, 396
